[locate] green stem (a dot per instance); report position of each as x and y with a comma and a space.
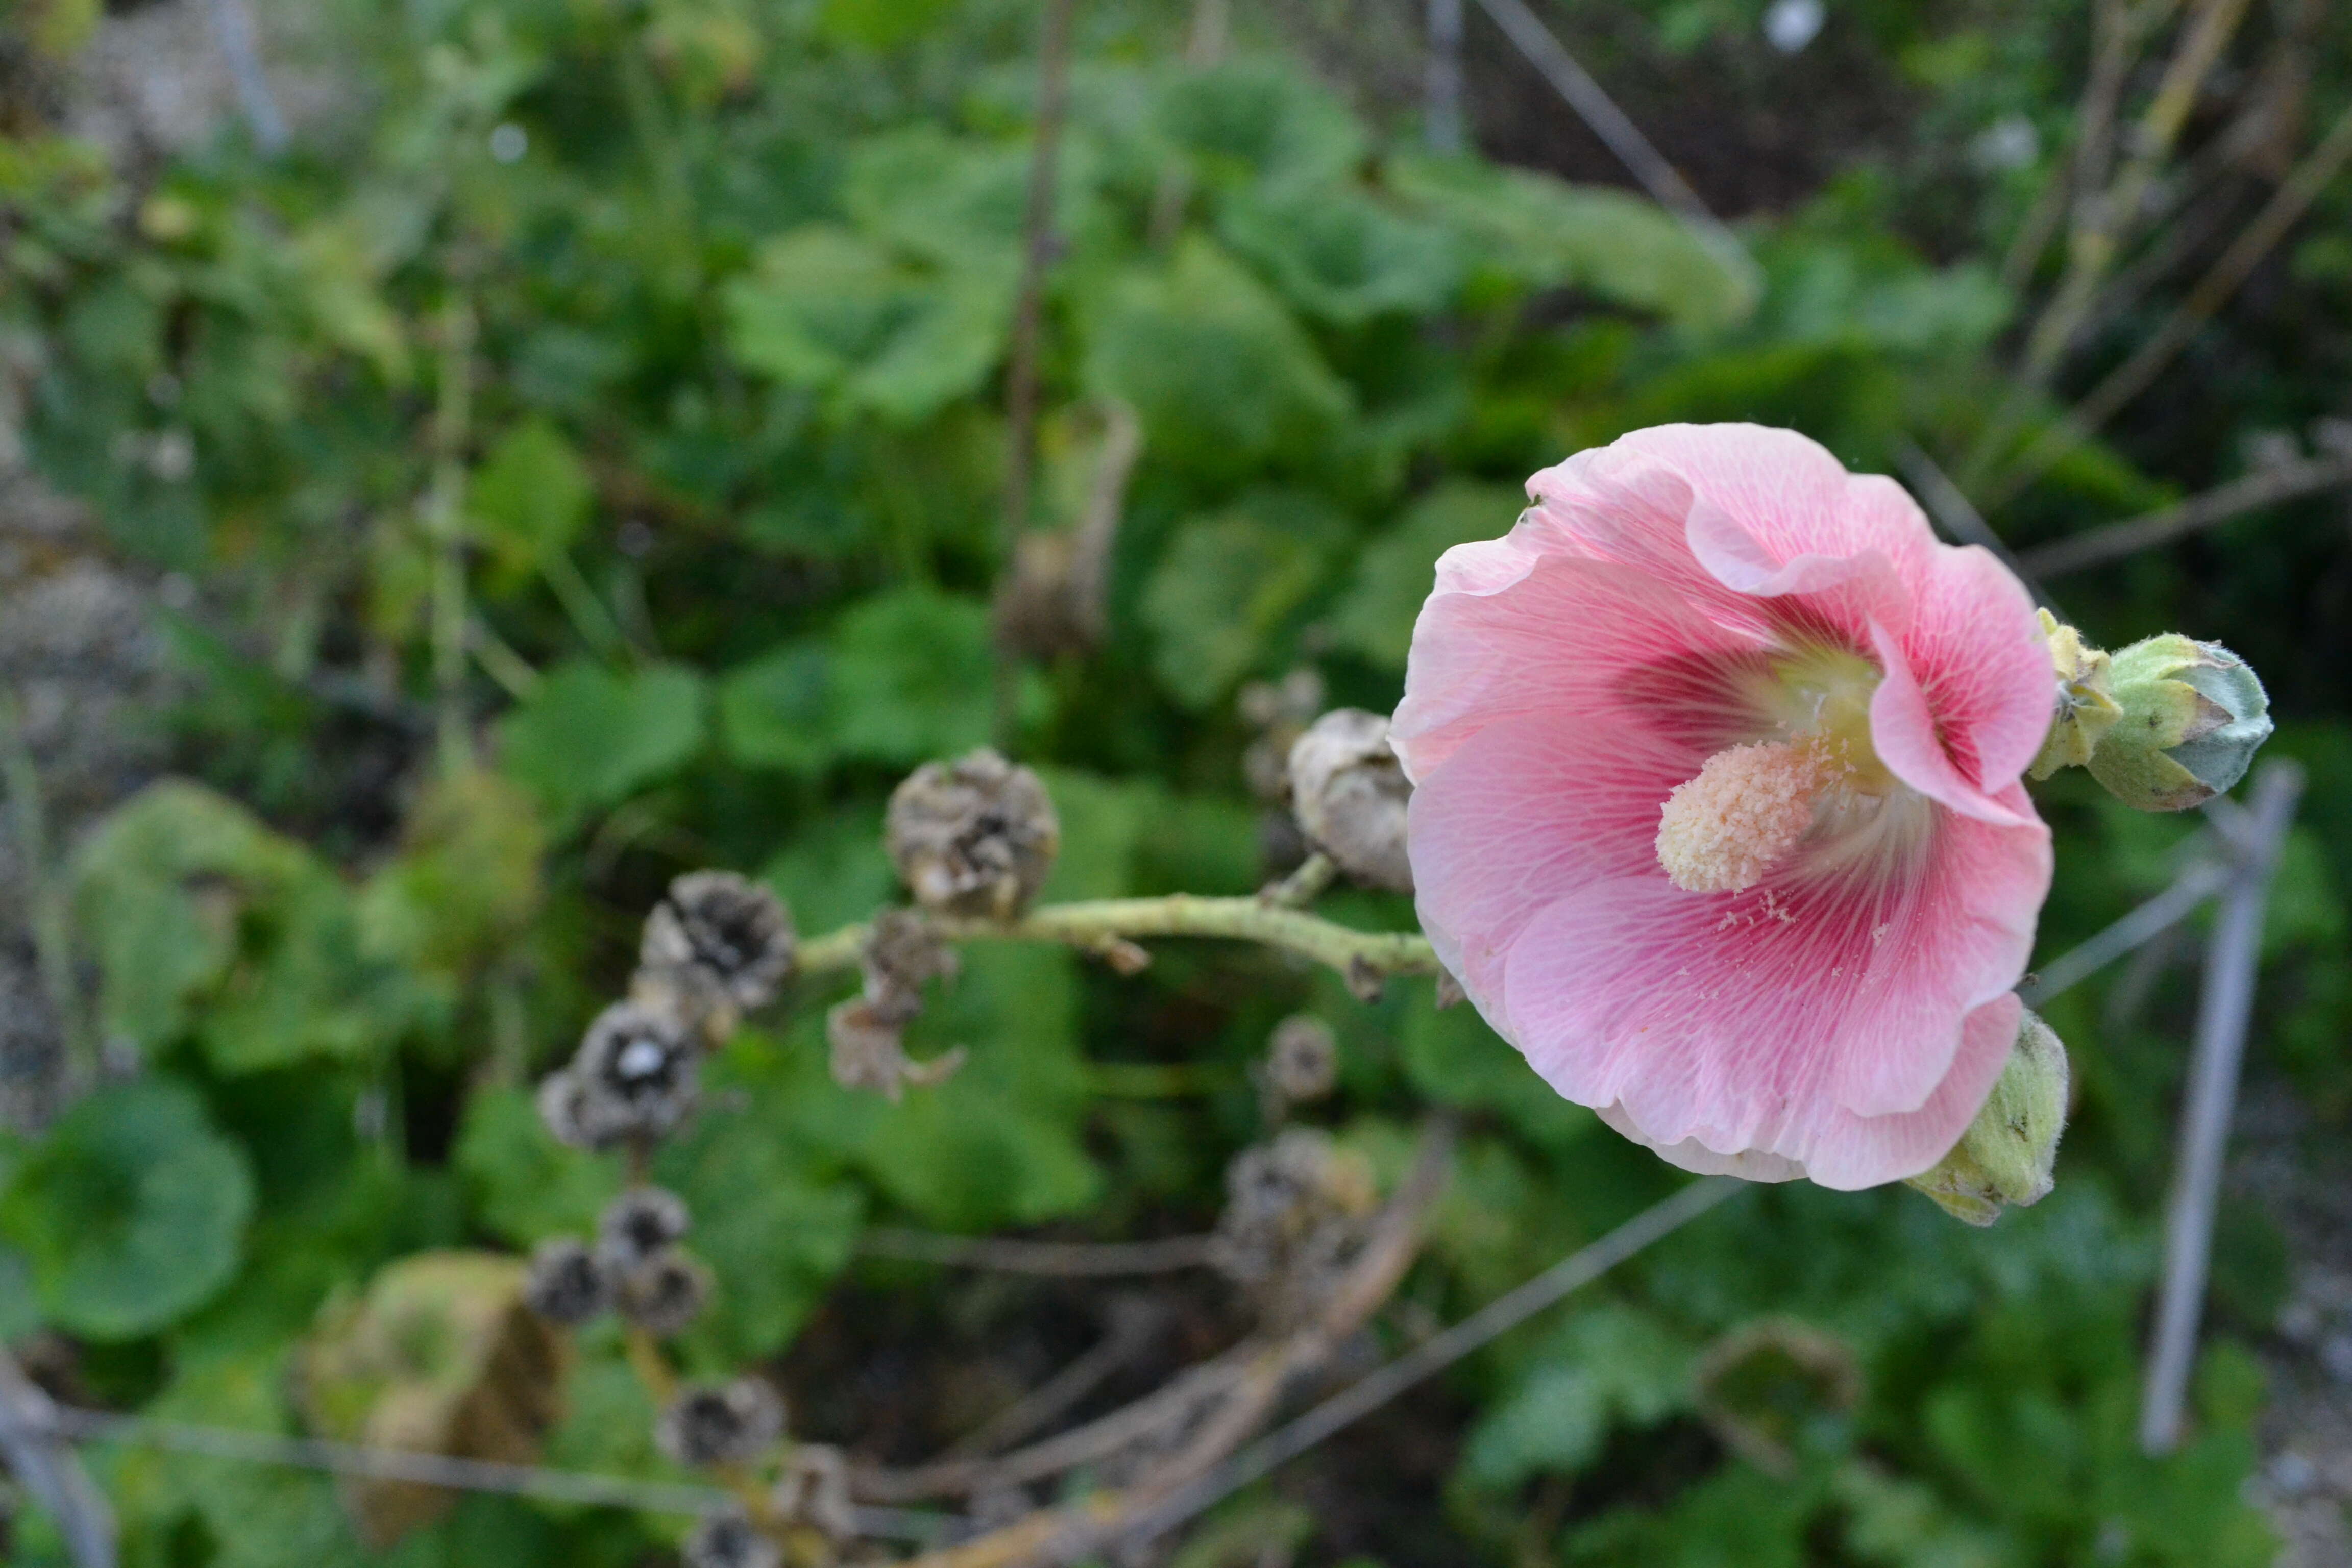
1100, 924
445, 505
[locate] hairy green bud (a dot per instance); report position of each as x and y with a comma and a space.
2194, 717
2006, 1154
2086, 708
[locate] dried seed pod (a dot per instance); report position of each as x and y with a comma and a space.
1302, 1059
869, 1052
559, 1100
566, 1284
815, 1490
729, 1541
720, 1424
1350, 793
901, 952
720, 937
666, 1293
975, 837
640, 1222
1293, 1214
1277, 711
633, 1076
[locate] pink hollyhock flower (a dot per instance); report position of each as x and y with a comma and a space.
1716, 813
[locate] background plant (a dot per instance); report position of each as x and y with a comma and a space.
581, 459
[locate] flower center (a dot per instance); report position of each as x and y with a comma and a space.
1721, 831
1752, 803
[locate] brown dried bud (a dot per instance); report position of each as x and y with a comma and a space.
718, 939
633, 1077
972, 837
869, 1052
720, 1424
1349, 794
900, 955
729, 1541
1278, 713
1295, 1213
566, 1284
815, 1490
1302, 1059
640, 1224
666, 1293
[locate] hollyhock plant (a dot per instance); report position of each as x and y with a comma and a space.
1716, 812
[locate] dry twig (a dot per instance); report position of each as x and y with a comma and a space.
2265, 486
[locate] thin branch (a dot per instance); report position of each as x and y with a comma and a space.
48, 912
1958, 516
2093, 143
1205, 46
1098, 531
1443, 128
2266, 487
29, 1426
1028, 308
2221, 280
1622, 137
1498, 1317
444, 510
1137, 1321
1212, 1406
2199, 880
2234, 954
82, 1425
2104, 218
240, 46
1075, 1260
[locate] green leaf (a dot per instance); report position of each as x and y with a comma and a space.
466, 884
1222, 376
830, 309
954, 202
524, 1185
205, 921
1343, 257
530, 498
591, 737
834, 872
771, 1225
1261, 122
1225, 585
1607, 1364
130, 1211
1397, 570
910, 676
778, 710
1000, 1142
1541, 232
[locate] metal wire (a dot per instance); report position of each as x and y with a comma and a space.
1496, 1318
80, 1425
1593, 105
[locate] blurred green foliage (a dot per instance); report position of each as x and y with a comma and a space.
726, 442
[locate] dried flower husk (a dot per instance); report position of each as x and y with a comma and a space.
1349, 794
976, 837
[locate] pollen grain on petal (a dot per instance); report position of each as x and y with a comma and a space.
1723, 830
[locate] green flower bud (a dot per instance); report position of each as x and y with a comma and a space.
2193, 716
2086, 708
2007, 1154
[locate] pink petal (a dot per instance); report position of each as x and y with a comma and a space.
1843, 1020
1509, 632
1979, 658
